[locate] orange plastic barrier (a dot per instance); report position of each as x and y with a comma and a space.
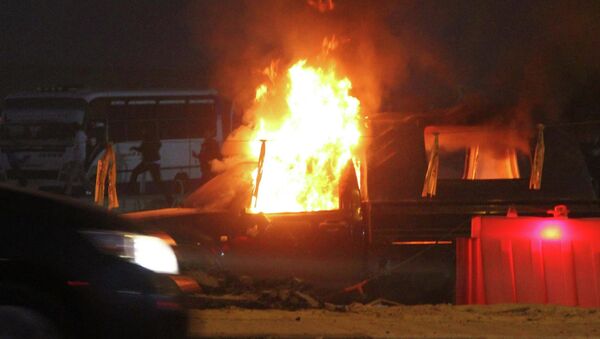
529, 260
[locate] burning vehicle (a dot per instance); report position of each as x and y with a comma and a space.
311, 186
294, 177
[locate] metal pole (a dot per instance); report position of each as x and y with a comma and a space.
261, 161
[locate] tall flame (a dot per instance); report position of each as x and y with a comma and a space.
306, 151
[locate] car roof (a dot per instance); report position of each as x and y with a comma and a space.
27, 203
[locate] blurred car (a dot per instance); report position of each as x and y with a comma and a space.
322, 248
203, 238
77, 271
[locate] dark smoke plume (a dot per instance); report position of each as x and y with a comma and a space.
502, 62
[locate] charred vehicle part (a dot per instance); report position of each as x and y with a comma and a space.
327, 247
483, 171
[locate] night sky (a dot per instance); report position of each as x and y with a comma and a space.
500, 59
101, 43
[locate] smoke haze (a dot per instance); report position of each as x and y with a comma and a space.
481, 61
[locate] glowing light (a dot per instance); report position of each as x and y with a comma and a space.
150, 252
308, 143
154, 254
551, 232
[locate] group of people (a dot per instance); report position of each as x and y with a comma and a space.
87, 145
150, 152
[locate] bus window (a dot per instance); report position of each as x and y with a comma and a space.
116, 112
202, 118
173, 129
199, 127
117, 132
141, 112
171, 121
178, 121
137, 129
195, 111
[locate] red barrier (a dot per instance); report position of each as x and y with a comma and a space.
529, 260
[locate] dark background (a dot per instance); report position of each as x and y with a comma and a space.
504, 61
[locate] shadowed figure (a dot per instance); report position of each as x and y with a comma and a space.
76, 165
149, 148
209, 151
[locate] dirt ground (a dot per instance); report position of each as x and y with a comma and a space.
424, 321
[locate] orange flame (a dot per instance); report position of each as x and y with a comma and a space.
307, 150
329, 44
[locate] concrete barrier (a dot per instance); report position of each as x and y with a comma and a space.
529, 260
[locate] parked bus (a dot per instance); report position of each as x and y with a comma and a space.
36, 133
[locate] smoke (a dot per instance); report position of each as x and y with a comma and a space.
229, 191
493, 61
521, 63
244, 37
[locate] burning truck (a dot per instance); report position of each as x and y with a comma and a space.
311, 186
289, 188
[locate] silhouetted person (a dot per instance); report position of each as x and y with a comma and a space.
76, 165
209, 151
149, 148
95, 143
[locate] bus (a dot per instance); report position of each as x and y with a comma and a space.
36, 132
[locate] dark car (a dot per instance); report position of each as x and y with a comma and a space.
76, 271
323, 248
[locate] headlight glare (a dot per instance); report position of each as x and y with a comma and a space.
154, 254
147, 251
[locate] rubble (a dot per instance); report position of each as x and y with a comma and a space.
310, 301
221, 290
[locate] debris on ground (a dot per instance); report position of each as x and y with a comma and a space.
220, 289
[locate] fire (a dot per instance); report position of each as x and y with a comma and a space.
307, 144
